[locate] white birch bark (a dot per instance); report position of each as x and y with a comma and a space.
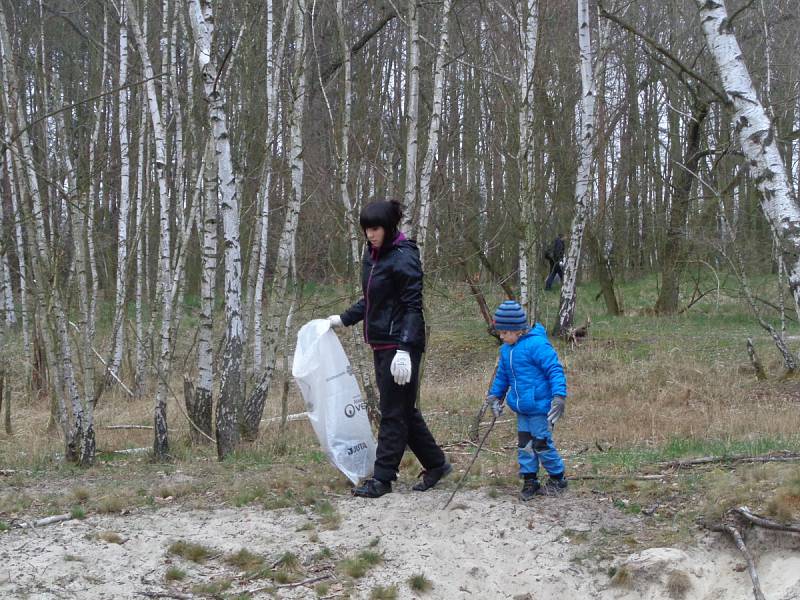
78, 210
200, 412
18, 237
230, 396
274, 62
254, 405
124, 201
529, 284
160, 440
757, 137
412, 119
6, 286
566, 313
52, 308
433, 133
141, 274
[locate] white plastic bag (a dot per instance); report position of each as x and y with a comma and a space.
333, 400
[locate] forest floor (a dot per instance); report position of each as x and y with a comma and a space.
486, 544
276, 520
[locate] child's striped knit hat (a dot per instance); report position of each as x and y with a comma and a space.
510, 316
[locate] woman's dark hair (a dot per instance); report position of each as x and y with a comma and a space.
382, 213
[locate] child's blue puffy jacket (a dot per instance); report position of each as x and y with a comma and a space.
529, 374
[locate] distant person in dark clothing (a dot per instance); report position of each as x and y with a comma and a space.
556, 258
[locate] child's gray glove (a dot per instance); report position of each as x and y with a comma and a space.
496, 405
557, 407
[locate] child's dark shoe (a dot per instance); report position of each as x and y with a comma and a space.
432, 476
372, 488
553, 487
530, 488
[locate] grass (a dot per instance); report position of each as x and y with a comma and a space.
190, 551
383, 592
357, 566
245, 560
419, 583
111, 537
642, 389
213, 588
174, 574
678, 585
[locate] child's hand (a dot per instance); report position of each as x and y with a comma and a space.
496, 404
557, 408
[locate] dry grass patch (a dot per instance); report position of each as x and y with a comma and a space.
190, 551
174, 574
111, 537
80, 494
383, 593
113, 503
622, 577
678, 585
213, 588
419, 583
245, 560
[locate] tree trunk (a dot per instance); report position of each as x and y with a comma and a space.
756, 136
566, 313
230, 395
528, 254
412, 119
674, 254
433, 133
160, 439
254, 405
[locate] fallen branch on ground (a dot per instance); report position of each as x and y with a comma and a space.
176, 595
705, 460
308, 581
127, 427
42, 522
733, 531
657, 477
760, 521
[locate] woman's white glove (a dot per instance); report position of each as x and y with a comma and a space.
336, 321
401, 367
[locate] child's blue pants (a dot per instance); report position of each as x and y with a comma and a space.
533, 428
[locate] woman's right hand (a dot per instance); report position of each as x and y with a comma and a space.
336, 322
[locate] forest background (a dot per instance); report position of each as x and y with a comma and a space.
181, 184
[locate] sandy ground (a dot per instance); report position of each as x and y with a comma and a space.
480, 547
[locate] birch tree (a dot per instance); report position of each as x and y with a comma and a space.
529, 284
160, 439
412, 119
124, 197
756, 136
433, 132
254, 405
566, 313
230, 397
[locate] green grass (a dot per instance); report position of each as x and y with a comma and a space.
419, 583
633, 459
190, 551
175, 574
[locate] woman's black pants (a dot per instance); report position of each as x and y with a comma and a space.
401, 421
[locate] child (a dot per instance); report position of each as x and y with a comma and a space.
531, 380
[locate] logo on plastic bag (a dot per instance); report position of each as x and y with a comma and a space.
350, 410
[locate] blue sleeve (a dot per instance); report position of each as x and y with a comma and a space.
500, 383
546, 359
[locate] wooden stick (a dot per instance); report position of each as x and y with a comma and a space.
734, 532
472, 462
44, 521
760, 521
705, 460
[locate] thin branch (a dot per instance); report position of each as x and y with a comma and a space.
650, 41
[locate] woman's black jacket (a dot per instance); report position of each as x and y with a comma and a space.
391, 307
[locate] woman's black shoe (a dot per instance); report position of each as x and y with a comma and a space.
432, 476
372, 488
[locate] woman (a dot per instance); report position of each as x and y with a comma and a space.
391, 308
